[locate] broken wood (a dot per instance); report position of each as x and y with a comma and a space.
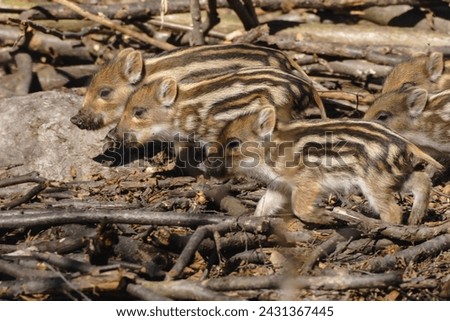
114, 26
205, 231
138, 216
146, 9
428, 249
406, 233
338, 282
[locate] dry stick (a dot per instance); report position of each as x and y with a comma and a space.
358, 69
27, 197
145, 9
112, 25
197, 32
139, 216
28, 178
252, 256
20, 272
55, 32
376, 54
179, 27
184, 290
212, 17
375, 227
64, 262
328, 247
245, 12
32, 177
24, 65
351, 97
12, 289
427, 249
43, 43
205, 231
69, 284
345, 282
339, 282
143, 293
338, 4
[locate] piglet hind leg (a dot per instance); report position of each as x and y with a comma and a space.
273, 202
304, 199
382, 200
419, 184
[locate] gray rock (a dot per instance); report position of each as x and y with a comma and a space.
36, 131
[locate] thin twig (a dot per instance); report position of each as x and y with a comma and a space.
69, 284
27, 197
32, 177
328, 247
206, 231
112, 25
180, 27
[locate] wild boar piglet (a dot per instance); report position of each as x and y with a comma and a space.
427, 71
302, 161
112, 85
421, 117
167, 110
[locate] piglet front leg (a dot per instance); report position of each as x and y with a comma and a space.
272, 203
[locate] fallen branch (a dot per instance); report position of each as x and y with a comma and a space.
371, 36
65, 263
19, 272
25, 198
32, 177
183, 290
146, 9
13, 289
206, 231
376, 54
21, 219
24, 65
428, 249
328, 247
45, 44
143, 293
114, 26
359, 69
338, 282
183, 28
342, 95
375, 227
253, 256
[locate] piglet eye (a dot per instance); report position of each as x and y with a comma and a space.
383, 116
138, 112
105, 92
234, 143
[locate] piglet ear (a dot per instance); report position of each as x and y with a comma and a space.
416, 101
131, 65
167, 91
435, 65
265, 122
